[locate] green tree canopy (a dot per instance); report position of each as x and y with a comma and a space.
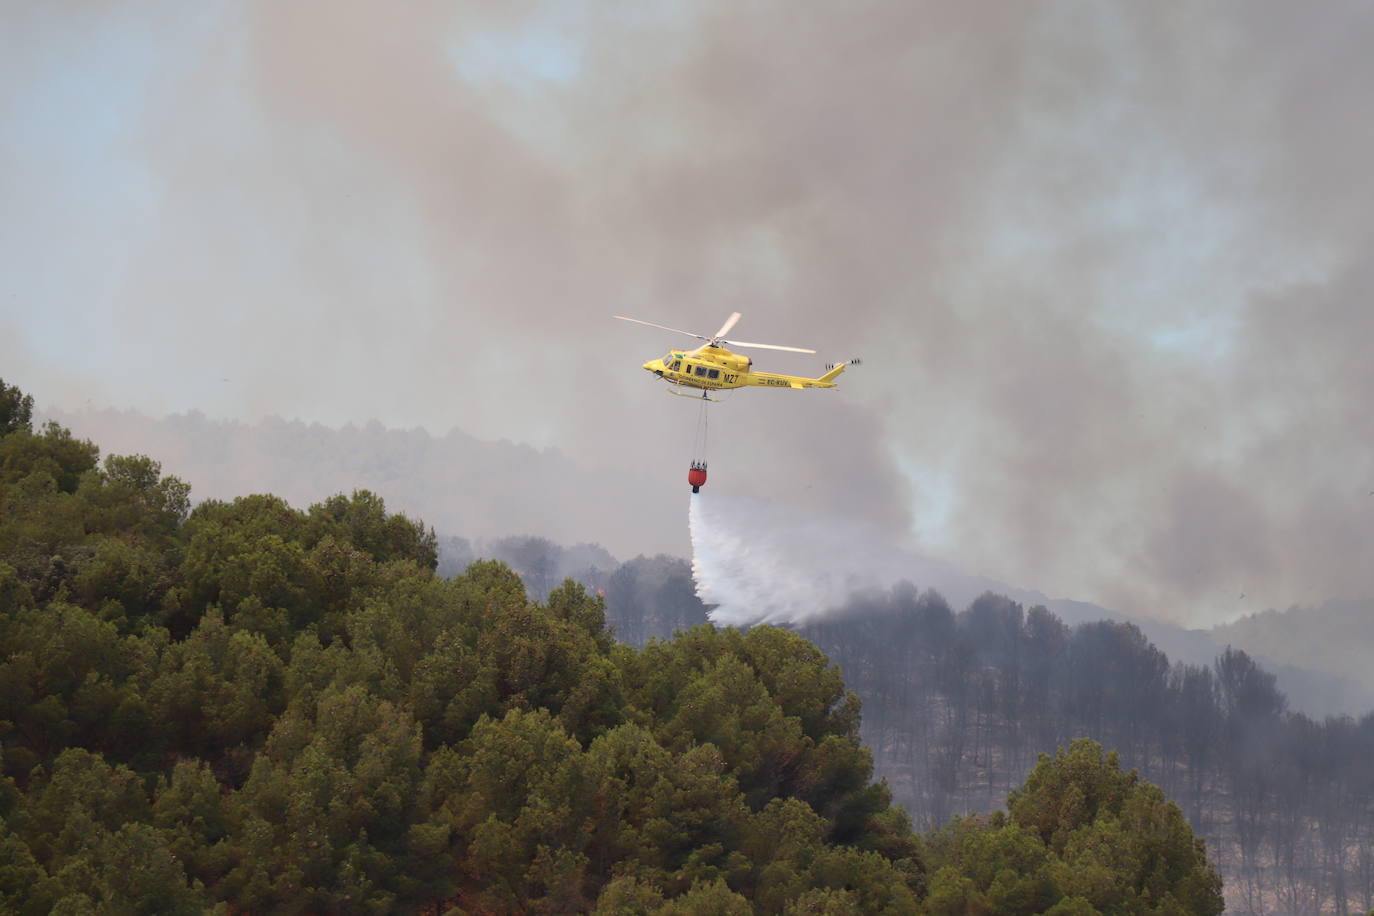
16, 410
256, 708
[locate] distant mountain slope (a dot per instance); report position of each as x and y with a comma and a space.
507, 497
1338, 637
456, 483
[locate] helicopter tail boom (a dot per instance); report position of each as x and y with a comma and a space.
773, 380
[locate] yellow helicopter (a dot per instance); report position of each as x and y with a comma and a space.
712, 366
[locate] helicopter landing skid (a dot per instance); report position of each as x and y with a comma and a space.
705, 395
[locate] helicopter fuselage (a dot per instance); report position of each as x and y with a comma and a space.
714, 368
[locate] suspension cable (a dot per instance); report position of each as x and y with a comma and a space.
699, 440
705, 428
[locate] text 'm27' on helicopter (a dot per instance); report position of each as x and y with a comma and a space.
712, 366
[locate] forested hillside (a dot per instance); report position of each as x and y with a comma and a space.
267, 709
957, 706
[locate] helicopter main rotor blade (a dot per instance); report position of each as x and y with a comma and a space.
662, 327
725, 328
759, 346
719, 335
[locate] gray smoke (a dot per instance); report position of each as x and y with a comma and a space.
750, 569
759, 562
1107, 264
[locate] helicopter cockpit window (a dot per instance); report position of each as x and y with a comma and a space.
676, 365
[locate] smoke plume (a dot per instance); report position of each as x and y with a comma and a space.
1107, 264
760, 562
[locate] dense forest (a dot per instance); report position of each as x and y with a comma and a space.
957, 706
247, 707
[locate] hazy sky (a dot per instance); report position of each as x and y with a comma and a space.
1107, 264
